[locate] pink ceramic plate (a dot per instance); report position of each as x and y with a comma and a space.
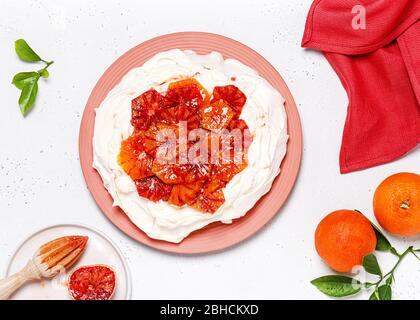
216, 236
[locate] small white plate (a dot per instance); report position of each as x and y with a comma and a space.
99, 250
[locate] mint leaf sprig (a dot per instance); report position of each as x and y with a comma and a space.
339, 286
27, 82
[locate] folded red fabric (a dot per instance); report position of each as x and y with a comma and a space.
374, 47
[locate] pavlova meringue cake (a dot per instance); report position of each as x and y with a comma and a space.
168, 202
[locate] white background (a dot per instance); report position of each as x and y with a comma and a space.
41, 183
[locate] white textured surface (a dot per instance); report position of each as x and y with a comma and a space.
40, 178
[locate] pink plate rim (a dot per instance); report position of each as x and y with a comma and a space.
216, 236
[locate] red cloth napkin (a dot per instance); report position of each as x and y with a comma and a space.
379, 67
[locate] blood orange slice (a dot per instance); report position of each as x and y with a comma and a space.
96, 282
144, 108
171, 173
227, 168
232, 95
133, 159
189, 92
216, 116
153, 188
185, 193
210, 202
177, 114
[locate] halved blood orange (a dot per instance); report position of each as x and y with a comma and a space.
96, 282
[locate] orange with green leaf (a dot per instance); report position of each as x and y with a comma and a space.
345, 239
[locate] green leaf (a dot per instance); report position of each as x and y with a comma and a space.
22, 79
374, 295
394, 251
337, 286
25, 52
44, 73
27, 97
382, 243
371, 265
385, 292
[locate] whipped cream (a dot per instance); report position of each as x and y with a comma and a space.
263, 112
